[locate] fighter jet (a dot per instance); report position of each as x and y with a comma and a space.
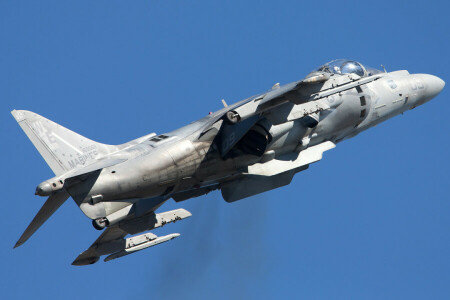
244, 149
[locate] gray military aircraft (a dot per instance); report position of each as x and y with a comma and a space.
244, 149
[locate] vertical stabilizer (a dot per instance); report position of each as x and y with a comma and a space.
62, 149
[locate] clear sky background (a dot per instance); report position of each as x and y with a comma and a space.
369, 221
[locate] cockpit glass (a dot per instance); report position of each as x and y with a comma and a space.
372, 71
350, 67
345, 66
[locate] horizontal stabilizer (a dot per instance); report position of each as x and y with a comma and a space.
98, 165
50, 206
65, 180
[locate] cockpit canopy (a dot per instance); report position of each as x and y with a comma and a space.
345, 66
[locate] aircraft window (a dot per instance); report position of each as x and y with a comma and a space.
350, 67
372, 71
344, 66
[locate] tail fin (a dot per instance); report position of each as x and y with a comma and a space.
62, 149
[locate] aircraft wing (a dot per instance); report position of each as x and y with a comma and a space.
112, 237
263, 177
112, 241
240, 117
297, 92
308, 92
249, 106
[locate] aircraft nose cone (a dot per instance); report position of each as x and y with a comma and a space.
434, 85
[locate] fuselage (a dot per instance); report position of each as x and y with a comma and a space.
179, 160
244, 149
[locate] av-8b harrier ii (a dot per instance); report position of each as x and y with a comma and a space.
244, 149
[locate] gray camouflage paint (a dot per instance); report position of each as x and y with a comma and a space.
116, 185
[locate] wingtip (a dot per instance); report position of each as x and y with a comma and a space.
18, 114
84, 261
17, 245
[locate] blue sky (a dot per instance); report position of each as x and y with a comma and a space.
369, 221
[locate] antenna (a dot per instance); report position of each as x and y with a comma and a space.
224, 103
384, 68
